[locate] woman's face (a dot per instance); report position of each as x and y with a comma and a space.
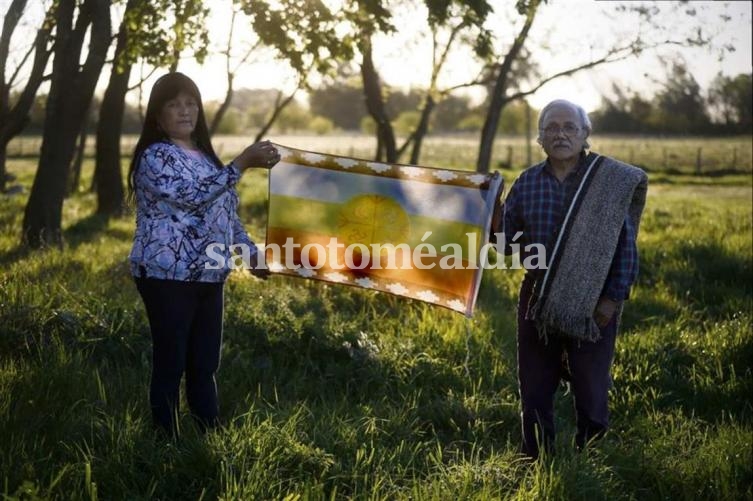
178, 117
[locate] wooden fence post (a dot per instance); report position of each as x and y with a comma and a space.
698, 161
528, 135
509, 156
666, 163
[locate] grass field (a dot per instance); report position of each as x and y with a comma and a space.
670, 155
333, 393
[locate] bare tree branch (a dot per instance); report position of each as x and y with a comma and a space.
230, 73
20, 65
143, 79
613, 55
280, 104
498, 98
437, 67
13, 16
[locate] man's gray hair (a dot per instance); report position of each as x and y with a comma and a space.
585, 122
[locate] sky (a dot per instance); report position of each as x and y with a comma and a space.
574, 29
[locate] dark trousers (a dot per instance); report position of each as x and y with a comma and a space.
540, 368
186, 323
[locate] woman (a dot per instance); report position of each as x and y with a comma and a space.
185, 201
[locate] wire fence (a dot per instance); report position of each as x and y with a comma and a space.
697, 155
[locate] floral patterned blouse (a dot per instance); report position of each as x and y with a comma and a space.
184, 203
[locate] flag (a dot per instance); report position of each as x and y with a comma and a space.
411, 231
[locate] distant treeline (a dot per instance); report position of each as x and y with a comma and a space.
680, 107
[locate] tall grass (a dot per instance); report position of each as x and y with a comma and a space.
333, 393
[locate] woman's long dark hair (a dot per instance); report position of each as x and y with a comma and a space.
167, 87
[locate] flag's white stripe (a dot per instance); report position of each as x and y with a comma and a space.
452, 203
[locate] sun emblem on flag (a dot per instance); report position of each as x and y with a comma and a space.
372, 219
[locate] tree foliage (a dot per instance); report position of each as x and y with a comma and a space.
302, 32
679, 107
188, 28
680, 103
341, 102
731, 102
450, 112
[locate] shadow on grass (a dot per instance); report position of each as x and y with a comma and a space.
710, 276
254, 213
80, 406
15, 254
82, 231
704, 371
701, 273
91, 227
296, 350
645, 309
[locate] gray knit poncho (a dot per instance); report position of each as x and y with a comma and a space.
579, 260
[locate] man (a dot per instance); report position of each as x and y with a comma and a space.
585, 209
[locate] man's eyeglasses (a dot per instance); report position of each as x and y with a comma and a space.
568, 129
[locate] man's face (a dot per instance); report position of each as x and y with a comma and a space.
562, 134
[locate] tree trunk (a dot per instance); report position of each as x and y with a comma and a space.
14, 119
176, 60
379, 155
177, 47
279, 106
223, 107
489, 131
3, 172
3, 158
499, 97
71, 92
12, 17
108, 177
43, 214
422, 129
74, 173
529, 155
372, 88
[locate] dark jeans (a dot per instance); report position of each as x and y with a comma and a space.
186, 324
540, 368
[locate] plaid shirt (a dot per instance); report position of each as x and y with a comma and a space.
535, 205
